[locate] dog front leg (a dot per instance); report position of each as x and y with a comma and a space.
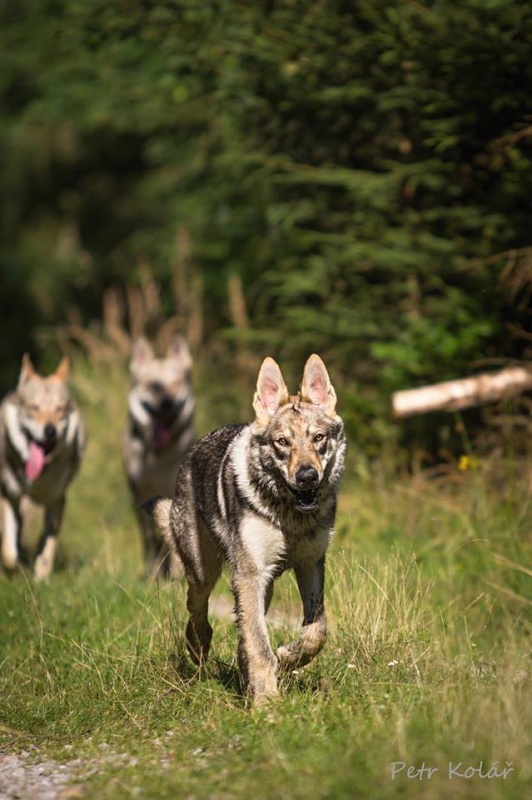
11, 525
257, 662
310, 580
44, 561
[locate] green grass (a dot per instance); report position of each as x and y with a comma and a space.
428, 659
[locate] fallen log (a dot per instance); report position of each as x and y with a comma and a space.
462, 393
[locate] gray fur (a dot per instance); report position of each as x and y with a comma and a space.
38, 417
261, 497
159, 432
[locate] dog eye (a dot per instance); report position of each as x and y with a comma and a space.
282, 442
319, 437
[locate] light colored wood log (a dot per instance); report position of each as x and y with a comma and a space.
462, 393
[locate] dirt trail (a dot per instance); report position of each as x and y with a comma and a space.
20, 779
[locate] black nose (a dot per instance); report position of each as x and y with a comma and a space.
306, 476
50, 431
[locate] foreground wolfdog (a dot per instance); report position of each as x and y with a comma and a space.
263, 498
41, 445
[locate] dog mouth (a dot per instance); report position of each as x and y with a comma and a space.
164, 414
305, 500
38, 456
163, 417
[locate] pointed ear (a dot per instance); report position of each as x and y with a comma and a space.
27, 370
271, 391
140, 352
63, 369
178, 348
316, 388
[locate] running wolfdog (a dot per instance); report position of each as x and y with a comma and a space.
261, 497
41, 446
159, 431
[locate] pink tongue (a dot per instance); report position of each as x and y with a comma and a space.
161, 436
35, 462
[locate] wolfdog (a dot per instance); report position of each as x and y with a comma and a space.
261, 497
42, 440
159, 432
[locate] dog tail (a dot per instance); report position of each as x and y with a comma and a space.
158, 508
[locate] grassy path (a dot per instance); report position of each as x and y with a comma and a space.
422, 691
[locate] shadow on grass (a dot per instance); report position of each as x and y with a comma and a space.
227, 675
224, 673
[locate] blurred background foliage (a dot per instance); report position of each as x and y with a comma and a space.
348, 178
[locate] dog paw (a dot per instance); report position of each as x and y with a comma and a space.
42, 569
10, 564
288, 656
262, 690
264, 699
293, 655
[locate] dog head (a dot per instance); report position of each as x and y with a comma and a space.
301, 438
45, 406
161, 388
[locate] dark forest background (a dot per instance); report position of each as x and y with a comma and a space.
350, 178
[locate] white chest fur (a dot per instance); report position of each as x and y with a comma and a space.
264, 543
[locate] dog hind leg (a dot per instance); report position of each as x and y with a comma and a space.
189, 540
203, 566
199, 630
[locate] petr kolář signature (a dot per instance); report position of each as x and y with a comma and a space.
454, 770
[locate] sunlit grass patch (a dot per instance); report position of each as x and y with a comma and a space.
428, 657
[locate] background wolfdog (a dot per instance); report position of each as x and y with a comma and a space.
41, 445
159, 431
